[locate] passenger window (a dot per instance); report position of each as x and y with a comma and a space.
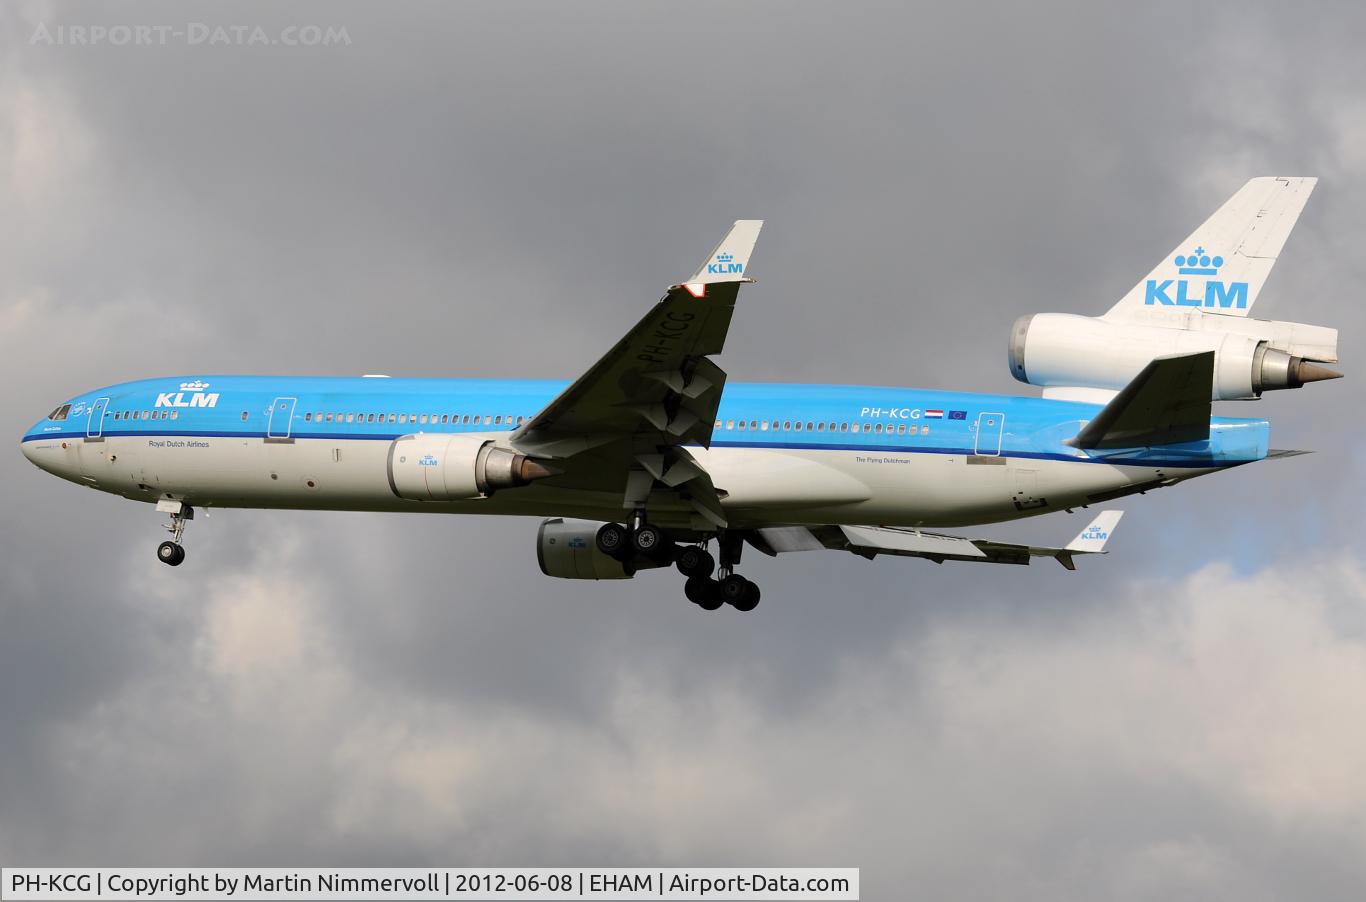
901, 429
787, 425
423, 421
810, 426
445, 418
175, 414
924, 430
498, 420
878, 428
799, 425
844, 427
487, 419
391, 419
350, 418
403, 418
308, 418
854, 428
730, 424
465, 420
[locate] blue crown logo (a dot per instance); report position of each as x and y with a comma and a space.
1198, 264
724, 258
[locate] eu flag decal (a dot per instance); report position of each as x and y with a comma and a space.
958, 414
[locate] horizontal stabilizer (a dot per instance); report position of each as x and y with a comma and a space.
729, 262
1168, 402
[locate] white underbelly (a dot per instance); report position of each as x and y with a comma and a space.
760, 485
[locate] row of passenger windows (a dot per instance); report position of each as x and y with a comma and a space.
146, 414
423, 419
809, 426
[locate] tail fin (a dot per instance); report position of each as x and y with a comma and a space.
1223, 265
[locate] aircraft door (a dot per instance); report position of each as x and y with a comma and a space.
279, 427
94, 427
989, 428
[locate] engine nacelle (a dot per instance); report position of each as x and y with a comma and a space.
568, 549
1250, 356
443, 467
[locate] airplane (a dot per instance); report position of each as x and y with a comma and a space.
651, 455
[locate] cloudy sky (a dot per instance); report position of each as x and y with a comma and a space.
500, 190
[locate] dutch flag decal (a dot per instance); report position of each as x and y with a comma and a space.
934, 414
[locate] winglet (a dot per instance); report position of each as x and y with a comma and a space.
1092, 539
729, 261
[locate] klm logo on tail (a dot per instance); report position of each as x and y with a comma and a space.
725, 264
1177, 292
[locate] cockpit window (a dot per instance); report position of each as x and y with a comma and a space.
60, 413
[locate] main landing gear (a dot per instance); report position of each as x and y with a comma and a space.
172, 552
642, 539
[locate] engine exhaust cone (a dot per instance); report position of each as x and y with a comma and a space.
1306, 372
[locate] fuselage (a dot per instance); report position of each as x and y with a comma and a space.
780, 453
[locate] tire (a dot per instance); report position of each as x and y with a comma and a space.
694, 560
612, 539
170, 553
751, 599
647, 540
702, 592
734, 590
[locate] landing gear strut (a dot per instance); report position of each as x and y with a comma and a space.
172, 553
642, 539
731, 588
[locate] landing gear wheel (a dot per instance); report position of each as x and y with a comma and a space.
647, 540
739, 592
703, 592
612, 538
170, 553
693, 560
751, 599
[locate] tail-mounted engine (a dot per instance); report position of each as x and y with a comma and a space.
1063, 351
436, 467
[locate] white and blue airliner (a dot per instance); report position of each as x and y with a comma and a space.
650, 456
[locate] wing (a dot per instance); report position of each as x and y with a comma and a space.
870, 541
625, 421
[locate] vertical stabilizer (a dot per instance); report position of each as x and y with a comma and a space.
1223, 265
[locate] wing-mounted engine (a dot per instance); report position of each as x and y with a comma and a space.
568, 549
443, 467
1061, 351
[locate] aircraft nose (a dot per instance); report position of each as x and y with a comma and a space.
50, 455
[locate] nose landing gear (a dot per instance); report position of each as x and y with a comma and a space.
172, 553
